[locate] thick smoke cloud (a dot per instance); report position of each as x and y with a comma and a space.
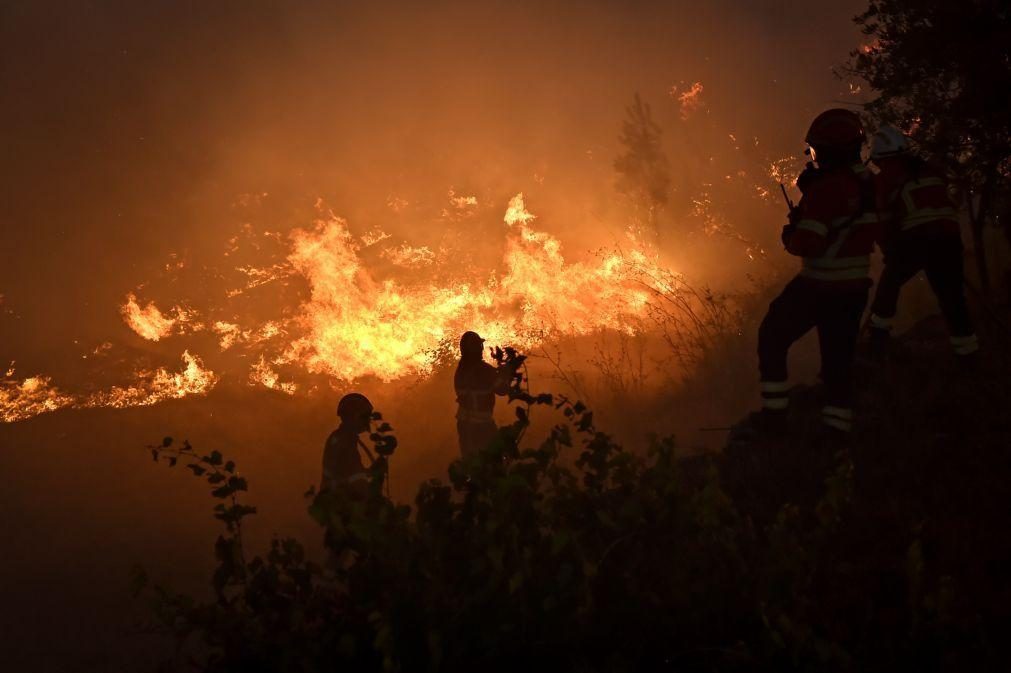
132, 127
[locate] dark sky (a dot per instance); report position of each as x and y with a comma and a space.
131, 127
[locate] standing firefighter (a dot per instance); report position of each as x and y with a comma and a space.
477, 383
833, 230
921, 234
342, 460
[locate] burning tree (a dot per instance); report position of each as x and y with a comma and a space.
942, 71
643, 169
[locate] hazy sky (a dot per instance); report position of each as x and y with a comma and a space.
130, 127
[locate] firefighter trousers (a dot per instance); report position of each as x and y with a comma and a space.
835, 313
940, 257
475, 435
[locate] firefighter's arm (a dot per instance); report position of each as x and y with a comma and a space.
808, 237
817, 210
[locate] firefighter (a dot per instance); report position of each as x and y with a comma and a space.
921, 233
833, 230
342, 460
477, 383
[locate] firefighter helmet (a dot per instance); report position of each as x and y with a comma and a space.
888, 142
354, 406
835, 128
471, 342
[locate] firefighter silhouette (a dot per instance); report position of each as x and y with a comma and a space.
342, 460
477, 383
921, 233
833, 230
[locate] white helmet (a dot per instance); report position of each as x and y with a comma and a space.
888, 142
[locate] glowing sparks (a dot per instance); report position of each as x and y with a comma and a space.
148, 321
261, 276
372, 237
462, 202
409, 257
689, 100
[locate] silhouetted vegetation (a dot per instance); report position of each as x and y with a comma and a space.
579, 554
643, 169
942, 72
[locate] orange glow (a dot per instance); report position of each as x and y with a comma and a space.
354, 322
31, 397
148, 322
153, 386
261, 373
36, 395
355, 325
690, 99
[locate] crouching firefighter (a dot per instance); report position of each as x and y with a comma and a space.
833, 230
921, 232
343, 467
477, 383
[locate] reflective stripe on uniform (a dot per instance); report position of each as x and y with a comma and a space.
775, 395
907, 190
964, 345
836, 423
916, 216
836, 268
837, 417
880, 323
775, 387
924, 215
471, 416
829, 263
813, 225
359, 476
775, 403
838, 412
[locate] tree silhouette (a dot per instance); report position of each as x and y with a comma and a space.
942, 71
643, 169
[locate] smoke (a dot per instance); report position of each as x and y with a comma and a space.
134, 126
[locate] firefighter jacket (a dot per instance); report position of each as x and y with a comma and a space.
836, 228
342, 461
913, 198
476, 383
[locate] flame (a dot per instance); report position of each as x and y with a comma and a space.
409, 257
263, 374
31, 397
516, 211
353, 322
153, 386
356, 325
148, 322
37, 395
